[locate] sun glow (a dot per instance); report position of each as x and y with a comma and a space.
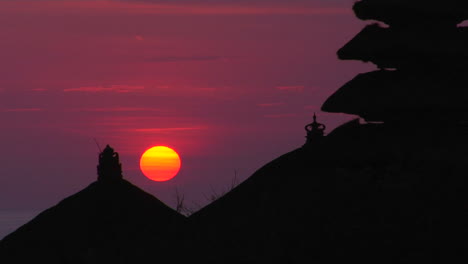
160, 163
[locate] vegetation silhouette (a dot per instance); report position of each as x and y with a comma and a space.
386, 189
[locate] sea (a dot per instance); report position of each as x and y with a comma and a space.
10, 220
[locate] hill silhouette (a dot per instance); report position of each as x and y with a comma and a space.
110, 221
361, 194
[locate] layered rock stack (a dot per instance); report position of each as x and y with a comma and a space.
422, 55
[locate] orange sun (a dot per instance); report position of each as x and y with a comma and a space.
160, 163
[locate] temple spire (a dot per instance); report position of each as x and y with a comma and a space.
315, 131
109, 168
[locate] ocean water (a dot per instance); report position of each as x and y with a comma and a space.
10, 220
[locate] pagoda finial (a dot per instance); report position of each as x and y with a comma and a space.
315, 130
109, 168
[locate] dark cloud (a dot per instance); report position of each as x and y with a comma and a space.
291, 88
185, 58
110, 88
226, 1
270, 104
317, 3
23, 110
280, 115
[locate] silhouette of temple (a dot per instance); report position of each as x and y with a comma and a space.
397, 177
109, 168
315, 132
378, 192
421, 55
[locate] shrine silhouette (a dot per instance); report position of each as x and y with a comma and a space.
315, 131
109, 168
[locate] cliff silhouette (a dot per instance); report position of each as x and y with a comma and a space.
387, 187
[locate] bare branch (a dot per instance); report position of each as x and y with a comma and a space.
180, 199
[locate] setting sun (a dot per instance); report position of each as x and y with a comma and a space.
160, 163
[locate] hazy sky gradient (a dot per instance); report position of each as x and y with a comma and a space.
228, 84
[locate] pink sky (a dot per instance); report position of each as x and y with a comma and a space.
229, 86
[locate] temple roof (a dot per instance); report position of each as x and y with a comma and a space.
396, 95
395, 48
400, 12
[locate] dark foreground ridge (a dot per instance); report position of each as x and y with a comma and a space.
389, 189
363, 192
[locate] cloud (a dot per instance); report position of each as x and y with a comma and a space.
247, 7
163, 59
207, 89
270, 104
294, 88
111, 88
220, 1
313, 107
23, 110
280, 115
182, 7
166, 129
243, 10
119, 109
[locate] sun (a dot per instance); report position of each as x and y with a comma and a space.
160, 163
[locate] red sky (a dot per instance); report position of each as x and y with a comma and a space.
228, 84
